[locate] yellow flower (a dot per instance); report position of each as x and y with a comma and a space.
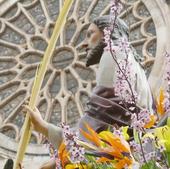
77, 166
163, 133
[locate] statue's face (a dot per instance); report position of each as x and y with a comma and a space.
93, 44
93, 37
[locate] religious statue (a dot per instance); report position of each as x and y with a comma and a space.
104, 108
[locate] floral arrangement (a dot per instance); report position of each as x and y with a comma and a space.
113, 149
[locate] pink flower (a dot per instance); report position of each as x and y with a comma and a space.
58, 163
166, 102
117, 132
150, 156
136, 147
124, 45
162, 148
70, 138
107, 39
54, 155
116, 7
137, 150
138, 122
167, 74
125, 78
77, 154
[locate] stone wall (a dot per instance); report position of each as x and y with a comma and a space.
25, 30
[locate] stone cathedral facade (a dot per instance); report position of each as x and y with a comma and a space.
25, 30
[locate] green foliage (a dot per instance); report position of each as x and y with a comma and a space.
167, 154
94, 165
150, 165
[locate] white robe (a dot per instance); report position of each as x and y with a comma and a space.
106, 76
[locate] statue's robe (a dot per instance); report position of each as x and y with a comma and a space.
106, 77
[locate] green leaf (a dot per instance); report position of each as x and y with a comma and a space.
168, 122
168, 157
136, 136
150, 165
95, 165
125, 132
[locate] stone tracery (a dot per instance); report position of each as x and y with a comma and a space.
25, 29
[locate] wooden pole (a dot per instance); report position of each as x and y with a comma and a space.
26, 131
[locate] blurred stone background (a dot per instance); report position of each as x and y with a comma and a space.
25, 30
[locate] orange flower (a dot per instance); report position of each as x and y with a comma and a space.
63, 154
159, 105
122, 163
110, 147
114, 152
115, 141
103, 160
91, 136
152, 121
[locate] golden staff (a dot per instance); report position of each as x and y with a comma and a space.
39, 79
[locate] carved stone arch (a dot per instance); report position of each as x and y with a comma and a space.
159, 11
25, 29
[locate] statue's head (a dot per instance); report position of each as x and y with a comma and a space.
94, 43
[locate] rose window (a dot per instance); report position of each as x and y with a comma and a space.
25, 30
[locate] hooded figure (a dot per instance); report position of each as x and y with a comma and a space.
104, 106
